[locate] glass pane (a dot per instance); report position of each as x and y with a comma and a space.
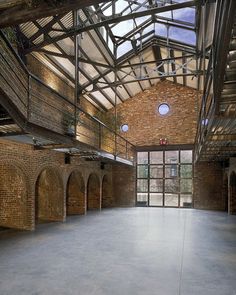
171, 200
156, 185
156, 199
142, 158
186, 171
171, 171
171, 157
186, 185
156, 171
142, 199
142, 185
156, 157
171, 185
186, 201
186, 157
142, 171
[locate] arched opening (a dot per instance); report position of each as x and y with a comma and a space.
75, 201
13, 198
49, 197
225, 192
93, 192
233, 193
107, 200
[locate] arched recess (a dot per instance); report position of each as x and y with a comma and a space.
93, 192
225, 191
232, 193
13, 197
75, 198
49, 196
107, 200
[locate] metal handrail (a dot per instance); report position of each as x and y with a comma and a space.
32, 77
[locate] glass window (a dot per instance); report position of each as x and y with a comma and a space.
156, 199
141, 197
156, 185
171, 171
171, 185
186, 157
156, 171
142, 185
142, 171
186, 201
186, 185
171, 200
156, 157
186, 171
142, 158
171, 157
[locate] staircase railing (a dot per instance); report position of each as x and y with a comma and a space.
42, 106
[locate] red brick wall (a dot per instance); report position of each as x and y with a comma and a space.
49, 196
107, 197
208, 186
13, 196
93, 192
20, 168
124, 183
75, 194
147, 126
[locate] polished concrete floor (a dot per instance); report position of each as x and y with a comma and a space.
132, 251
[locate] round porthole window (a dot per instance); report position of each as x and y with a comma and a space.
124, 127
163, 109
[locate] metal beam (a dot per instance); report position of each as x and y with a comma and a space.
20, 12
112, 20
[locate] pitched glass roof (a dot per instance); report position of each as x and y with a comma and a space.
125, 46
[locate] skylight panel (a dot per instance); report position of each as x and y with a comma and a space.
185, 14
185, 36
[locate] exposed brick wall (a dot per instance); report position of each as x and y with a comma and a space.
75, 194
13, 196
93, 192
208, 186
57, 83
28, 165
124, 185
49, 200
107, 196
147, 126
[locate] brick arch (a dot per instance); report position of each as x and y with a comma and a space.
107, 200
14, 196
49, 195
75, 194
232, 193
93, 192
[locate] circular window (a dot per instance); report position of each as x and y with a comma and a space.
163, 109
124, 127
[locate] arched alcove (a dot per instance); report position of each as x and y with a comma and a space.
107, 200
13, 197
75, 199
93, 192
225, 192
49, 196
232, 195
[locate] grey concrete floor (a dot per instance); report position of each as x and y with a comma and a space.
136, 251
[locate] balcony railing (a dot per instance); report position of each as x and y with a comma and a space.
42, 106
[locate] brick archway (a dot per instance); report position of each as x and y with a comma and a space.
13, 197
75, 194
93, 192
107, 200
49, 196
232, 193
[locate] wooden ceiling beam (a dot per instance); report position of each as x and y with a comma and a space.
17, 12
